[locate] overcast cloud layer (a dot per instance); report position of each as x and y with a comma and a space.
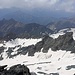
64, 5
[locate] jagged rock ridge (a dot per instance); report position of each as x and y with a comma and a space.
63, 42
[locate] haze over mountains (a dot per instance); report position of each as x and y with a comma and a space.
41, 16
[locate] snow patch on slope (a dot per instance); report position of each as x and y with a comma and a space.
62, 32
73, 30
51, 62
22, 42
16, 44
56, 35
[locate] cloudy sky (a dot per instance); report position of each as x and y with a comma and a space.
63, 5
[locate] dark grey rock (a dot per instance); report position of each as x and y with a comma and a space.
15, 70
2, 49
70, 67
42, 73
2, 68
64, 42
33, 73
54, 74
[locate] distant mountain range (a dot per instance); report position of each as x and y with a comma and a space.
61, 24
27, 16
40, 16
12, 29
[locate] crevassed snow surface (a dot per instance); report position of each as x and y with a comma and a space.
51, 62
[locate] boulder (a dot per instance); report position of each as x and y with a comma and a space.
15, 70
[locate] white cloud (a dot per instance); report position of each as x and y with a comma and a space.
26, 3
65, 5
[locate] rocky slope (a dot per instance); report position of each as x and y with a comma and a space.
63, 42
